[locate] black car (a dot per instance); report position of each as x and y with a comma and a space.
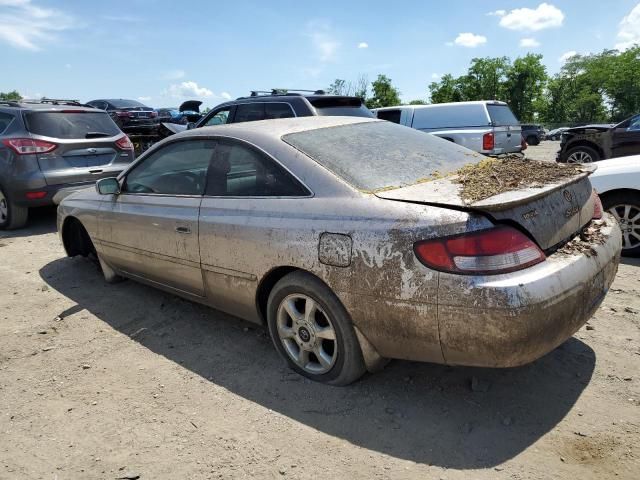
533, 134
130, 115
591, 143
276, 103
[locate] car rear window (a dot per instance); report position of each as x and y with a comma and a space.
380, 155
347, 106
501, 115
127, 104
70, 124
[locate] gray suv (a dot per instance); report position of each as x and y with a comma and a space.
50, 148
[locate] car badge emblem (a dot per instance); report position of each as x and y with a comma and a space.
92, 150
567, 195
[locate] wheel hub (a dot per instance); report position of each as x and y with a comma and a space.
304, 334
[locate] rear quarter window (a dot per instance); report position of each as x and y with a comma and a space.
5, 120
450, 116
340, 106
69, 125
389, 115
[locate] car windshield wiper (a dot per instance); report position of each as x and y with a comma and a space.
97, 135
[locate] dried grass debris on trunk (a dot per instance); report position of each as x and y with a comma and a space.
492, 176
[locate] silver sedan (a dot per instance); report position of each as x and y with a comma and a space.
326, 230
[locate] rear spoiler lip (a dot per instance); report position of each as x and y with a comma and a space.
445, 193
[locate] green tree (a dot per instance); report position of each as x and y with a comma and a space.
448, 89
384, 93
12, 96
524, 86
417, 102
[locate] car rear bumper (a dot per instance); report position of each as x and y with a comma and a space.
511, 320
498, 320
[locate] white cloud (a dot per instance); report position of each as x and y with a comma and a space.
567, 55
144, 99
363, 45
529, 42
543, 16
188, 89
174, 75
435, 76
470, 40
629, 32
323, 41
497, 13
27, 26
225, 95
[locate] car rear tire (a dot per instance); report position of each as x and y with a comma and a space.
312, 330
625, 207
533, 140
12, 216
582, 154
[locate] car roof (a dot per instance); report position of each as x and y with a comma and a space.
289, 97
45, 107
275, 127
431, 105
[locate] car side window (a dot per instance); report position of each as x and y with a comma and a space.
5, 120
179, 168
249, 112
238, 170
389, 115
277, 110
219, 118
634, 125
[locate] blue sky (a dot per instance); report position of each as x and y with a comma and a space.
163, 51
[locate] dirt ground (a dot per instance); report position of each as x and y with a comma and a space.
123, 381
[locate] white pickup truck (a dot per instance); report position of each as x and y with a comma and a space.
486, 126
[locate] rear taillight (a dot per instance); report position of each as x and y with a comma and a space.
597, 206
26, 146
488, 141
35, 195
125, 114
124, 143
523, 144
486, 252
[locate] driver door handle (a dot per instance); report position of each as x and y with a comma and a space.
184, 230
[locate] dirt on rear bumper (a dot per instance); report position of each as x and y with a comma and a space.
511, 320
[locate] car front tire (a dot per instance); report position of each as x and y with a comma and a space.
12, 216
582, 154
312, 330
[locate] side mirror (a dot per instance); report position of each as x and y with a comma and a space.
108, 186
190, 125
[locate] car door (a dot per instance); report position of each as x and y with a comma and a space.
150, 229
244, 204
626, 138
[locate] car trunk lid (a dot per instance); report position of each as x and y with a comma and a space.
550, 213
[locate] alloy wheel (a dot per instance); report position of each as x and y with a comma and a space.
4, 208
580, 157
628, 217
307, 334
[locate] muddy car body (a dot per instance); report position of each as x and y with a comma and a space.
353, 240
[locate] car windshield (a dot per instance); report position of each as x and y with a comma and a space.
65, 124
127, 104
374, 156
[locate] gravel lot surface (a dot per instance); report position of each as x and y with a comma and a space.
124, 381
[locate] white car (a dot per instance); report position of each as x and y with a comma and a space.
617, 181
486, 126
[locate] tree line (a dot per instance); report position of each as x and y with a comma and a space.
601, 87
